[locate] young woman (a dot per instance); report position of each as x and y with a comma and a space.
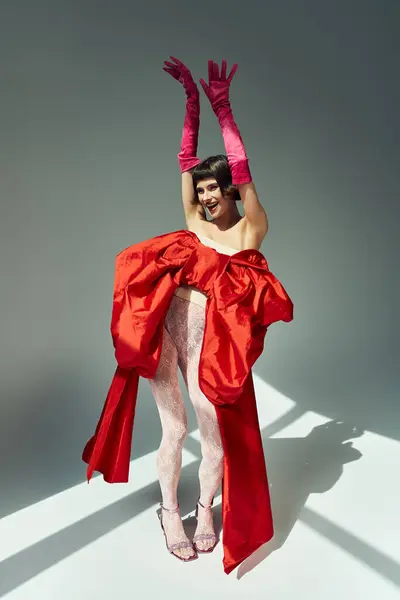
200, 299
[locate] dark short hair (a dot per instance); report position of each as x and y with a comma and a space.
216, 167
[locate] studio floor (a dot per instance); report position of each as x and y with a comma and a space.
335, 501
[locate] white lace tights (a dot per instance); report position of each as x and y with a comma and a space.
183, 336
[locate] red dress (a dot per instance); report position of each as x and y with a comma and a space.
244, 298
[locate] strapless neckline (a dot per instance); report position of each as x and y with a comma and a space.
204, 237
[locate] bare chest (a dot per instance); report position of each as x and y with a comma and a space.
237, 237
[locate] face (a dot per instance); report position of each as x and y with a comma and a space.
212, 199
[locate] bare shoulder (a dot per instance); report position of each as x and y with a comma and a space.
196, 218
252, 236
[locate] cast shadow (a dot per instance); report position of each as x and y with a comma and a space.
298, 467
44, 554
41, 443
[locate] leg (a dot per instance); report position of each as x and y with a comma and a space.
171, 408
187, 331
211, 466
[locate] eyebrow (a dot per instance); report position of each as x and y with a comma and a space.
209, 185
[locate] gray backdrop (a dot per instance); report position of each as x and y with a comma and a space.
90, 129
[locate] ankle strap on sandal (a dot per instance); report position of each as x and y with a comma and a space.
209, 507
170, 510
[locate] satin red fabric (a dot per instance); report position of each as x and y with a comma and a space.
244, 298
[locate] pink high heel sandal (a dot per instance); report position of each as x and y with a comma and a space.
204, 536
179, 545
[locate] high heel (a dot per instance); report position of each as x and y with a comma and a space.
204, 536
179, 545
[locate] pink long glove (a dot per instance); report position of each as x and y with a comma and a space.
187, 157
217, 91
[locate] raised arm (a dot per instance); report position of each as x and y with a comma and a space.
217, 91
187, 156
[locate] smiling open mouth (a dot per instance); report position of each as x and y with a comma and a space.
212, 207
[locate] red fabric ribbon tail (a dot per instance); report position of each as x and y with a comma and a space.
109, 450
246, 506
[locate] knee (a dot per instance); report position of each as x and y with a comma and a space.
214, 454
175, 434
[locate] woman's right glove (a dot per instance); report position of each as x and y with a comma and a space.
187, 157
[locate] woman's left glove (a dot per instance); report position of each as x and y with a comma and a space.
187, 156
217, 91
